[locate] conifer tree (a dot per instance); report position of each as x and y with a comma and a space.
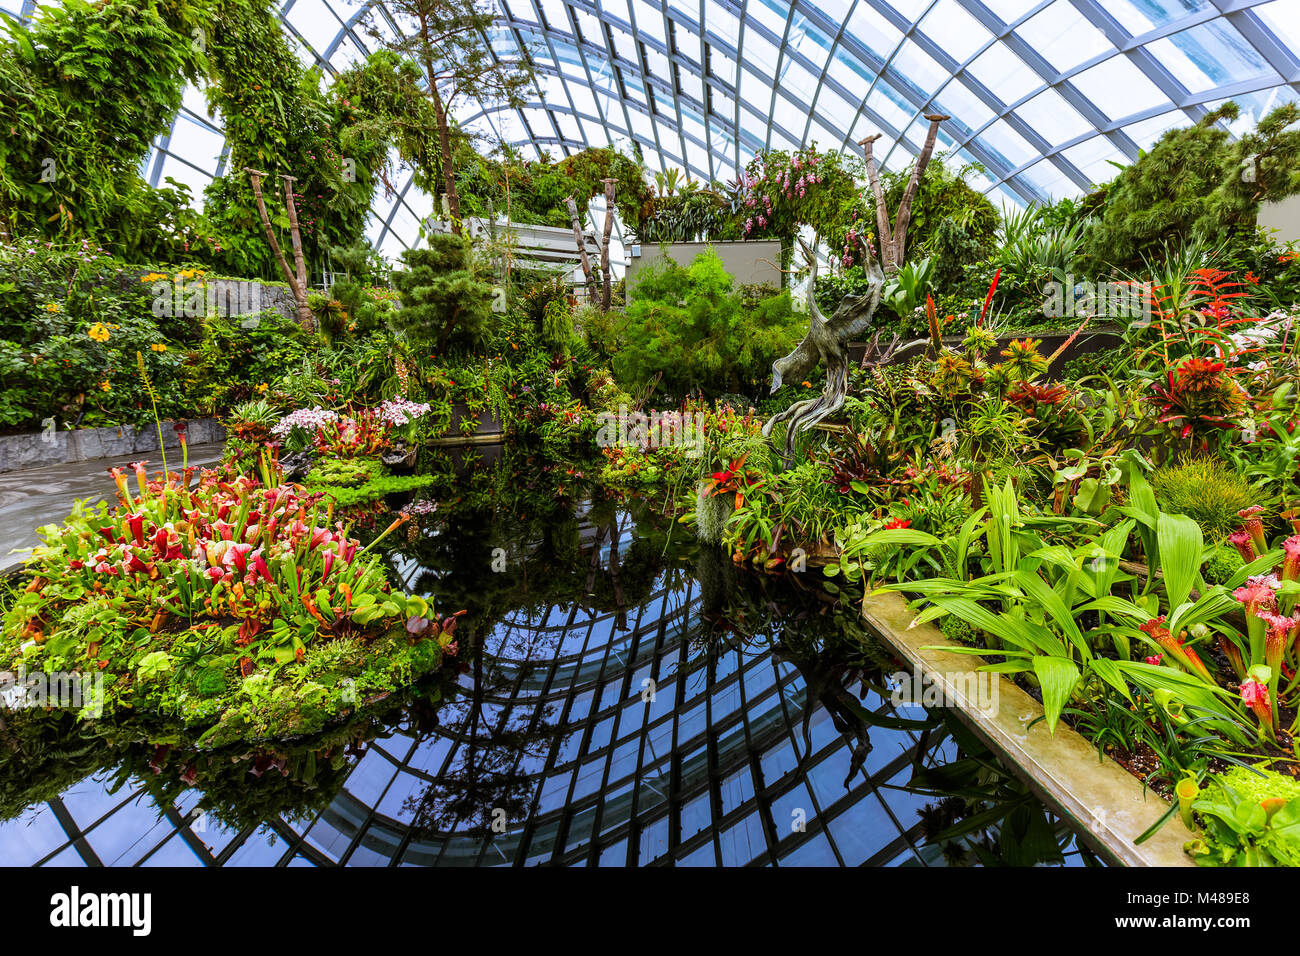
444, 304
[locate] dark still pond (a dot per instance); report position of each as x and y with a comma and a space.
625, 699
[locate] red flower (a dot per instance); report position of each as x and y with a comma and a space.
897, 523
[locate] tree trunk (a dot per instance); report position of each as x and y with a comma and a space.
905, 206
298, 289
582, 247
882, 210
605, 272
305, 318
448, 171
444, 130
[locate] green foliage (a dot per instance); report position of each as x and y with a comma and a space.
276, 119
364, 303
534, 191
1190, 185
1222, 565
1250, 817
1207, 491
942, 195
84, 91
690, 327
953, 250
781, 191
692, 214
448, 39
239, 358
382, 101
371, 489
71, 324
445, 305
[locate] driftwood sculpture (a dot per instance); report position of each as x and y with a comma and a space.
827, 342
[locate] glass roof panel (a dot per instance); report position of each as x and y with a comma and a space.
956, 32
1118, 88
941, 55
1004, 74
1142, 16
1052, 118
869, 27
1212, 54
1062, 36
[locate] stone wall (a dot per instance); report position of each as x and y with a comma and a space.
35, 449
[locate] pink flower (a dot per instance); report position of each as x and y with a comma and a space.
1253, 526
135, 524
1241, 541
1154, 659
260, 570
236, 556
1257, 597
1255, 696
1291, 558
1277, 637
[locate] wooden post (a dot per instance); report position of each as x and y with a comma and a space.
605, 273
297, 281
893, 242
882, 210
905, 206
582, 247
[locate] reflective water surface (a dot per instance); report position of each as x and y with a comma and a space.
625, 700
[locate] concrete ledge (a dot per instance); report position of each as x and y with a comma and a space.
1105, 804
36, 449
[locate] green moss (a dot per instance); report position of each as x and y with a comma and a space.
955, 629
1222, 565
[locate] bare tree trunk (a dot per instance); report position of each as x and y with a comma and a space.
444, 130
605, 272
297, 281
448, 170
582, 247
882, 210
905, 206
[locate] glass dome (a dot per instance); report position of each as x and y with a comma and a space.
1044, 96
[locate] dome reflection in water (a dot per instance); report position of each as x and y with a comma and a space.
625, 698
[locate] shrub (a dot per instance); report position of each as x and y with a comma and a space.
690, 328
445, 305
1206, 491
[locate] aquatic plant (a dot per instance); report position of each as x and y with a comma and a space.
205, 603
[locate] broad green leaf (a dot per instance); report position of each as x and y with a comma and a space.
1037, 589
1180, 555
1105, 668
1057, 677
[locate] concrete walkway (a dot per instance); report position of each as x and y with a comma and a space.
38, 496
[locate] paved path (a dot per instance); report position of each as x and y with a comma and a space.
33, 497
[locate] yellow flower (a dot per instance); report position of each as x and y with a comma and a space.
158, 347
53, 307
263, 387
807, 384
105, 385
99, 333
